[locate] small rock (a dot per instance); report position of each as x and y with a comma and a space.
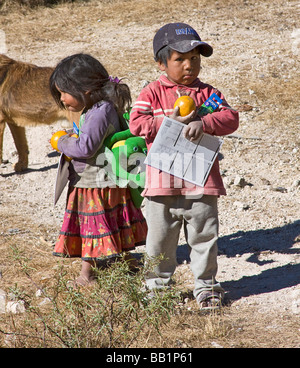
216, 345
241, 205
239, 181
144, 83
15, 307
45, 301
279, 189
39, 293
13, 231
244, 107
10, 341
295, 305
265, 181
228, 181
2, 301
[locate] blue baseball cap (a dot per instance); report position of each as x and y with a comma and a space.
179, 37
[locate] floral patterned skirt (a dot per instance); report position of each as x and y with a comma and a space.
100, 223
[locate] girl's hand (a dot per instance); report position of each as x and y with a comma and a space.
193, 130
182, 119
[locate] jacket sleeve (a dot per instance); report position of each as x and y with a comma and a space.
142, 120
92, 134
223, 121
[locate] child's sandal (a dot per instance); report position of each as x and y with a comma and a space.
209, 300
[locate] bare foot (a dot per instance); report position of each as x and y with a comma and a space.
86, 277
81, 281
85, 281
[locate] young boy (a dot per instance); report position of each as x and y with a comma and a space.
177, 51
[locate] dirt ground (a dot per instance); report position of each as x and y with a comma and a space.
256, 65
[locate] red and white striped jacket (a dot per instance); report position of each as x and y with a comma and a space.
155, 102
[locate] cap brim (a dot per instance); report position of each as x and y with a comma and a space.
187, 46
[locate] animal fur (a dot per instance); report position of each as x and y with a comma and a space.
25, 100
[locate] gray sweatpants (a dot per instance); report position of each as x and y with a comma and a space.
165, 216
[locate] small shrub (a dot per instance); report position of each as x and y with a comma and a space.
113, 313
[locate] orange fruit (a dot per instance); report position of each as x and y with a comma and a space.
186, 105
55, 137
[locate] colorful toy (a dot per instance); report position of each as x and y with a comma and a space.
186, 105
129, 153
209, 105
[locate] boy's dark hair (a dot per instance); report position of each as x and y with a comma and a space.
80, 73
165, 53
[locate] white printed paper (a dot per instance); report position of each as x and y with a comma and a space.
172, 153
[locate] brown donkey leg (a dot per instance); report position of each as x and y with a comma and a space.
20, 140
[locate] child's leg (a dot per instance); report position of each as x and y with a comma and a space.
86, 275
201, 230
162, 238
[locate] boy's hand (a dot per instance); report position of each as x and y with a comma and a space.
193, 130
182, 119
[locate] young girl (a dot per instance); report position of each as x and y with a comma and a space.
100, 220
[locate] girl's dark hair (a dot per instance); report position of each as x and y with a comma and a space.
81, 73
